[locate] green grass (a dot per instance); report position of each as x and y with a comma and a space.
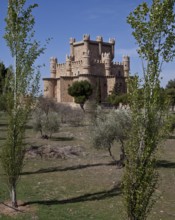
83, 188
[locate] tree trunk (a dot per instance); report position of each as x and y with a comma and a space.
13, 196
110, 153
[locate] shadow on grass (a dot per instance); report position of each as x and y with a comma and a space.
171, 137
3, 124
84, 198
60, 169
165, 164
62, 138
2, 138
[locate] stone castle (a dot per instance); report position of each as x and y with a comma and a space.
88, 60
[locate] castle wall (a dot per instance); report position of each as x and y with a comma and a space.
50, 88
58, 88
65, 82
98, 68
78, 51
94, 51
106, 49
77, 67
61, 70
117, 70
120, 85
110, 85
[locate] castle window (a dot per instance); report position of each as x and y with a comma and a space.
119, 73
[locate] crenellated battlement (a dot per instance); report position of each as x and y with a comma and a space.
98, 61
117, 63
99, 39
112, 40
79, 62
61, 65
86, 37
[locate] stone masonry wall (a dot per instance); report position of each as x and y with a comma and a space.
64, 85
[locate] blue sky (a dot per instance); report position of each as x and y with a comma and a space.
61, 20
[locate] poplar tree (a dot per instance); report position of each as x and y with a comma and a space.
23, 84
154, 30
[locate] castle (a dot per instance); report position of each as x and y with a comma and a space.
88, 60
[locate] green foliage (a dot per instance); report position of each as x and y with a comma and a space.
170, 91
46, 119
81, 91
47, 125
153, 29
171, 84
110, 127
117, 99
22, 86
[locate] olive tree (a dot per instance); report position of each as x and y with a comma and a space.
110, 127
23, 86
46, 119
154, 31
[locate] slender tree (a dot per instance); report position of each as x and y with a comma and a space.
154, 31
23, 86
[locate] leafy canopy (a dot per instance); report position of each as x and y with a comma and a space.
81, 91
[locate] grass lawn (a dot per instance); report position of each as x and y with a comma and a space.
82, 187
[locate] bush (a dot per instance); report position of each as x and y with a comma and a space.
46, 124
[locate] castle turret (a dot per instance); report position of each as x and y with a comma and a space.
86, 62
106, 58
112, 41
99, 39
126, 65
53, 64
86, 39
72, 41
68, 66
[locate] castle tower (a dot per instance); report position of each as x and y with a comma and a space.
53, 64
126, 65
72, 41
99, 39
86, 62
86, 39
106, 58
112, 41
68, 66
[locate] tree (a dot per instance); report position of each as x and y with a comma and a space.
5, 74
81, 91
45, 117
170, 91
23, 86
111, 127
153, 28
117, 99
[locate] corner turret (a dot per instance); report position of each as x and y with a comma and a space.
72, 41
99, 39
112, 42
126, 65
86, 39
53, 63
68, 65
106, 58
86, 62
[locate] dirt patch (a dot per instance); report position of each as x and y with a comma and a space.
55, 152
7, 209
